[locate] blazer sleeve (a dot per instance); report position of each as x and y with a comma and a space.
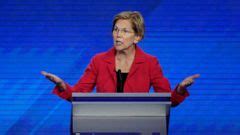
161, 84
85, 84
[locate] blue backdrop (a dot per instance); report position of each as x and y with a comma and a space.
61, 36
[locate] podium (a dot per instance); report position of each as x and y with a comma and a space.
116, 113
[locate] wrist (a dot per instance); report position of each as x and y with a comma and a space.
181, 89
61, 86
59, 83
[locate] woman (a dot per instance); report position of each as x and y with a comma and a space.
125, 67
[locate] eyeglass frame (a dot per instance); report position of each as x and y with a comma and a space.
124, 31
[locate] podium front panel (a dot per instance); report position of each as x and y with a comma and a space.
120, 112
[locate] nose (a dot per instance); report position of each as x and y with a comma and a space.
119, 33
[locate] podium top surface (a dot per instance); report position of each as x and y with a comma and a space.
77, 94
121, 97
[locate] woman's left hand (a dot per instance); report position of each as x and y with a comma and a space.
189, 80
185, 83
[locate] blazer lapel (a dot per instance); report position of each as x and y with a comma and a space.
111, 70
138, 60
110, 60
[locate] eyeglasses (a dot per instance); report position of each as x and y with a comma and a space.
123, 31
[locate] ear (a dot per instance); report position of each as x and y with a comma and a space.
136, 39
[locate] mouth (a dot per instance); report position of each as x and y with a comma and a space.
118, 42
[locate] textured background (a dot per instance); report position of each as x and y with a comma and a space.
61, 36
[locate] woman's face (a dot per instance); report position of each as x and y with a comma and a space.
124, 36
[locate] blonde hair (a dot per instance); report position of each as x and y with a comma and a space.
135, 19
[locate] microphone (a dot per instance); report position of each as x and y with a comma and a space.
120, 81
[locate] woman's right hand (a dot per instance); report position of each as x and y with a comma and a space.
55, 79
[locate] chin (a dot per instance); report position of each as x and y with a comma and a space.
118, 48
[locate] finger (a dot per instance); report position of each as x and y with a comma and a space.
189, 83
48, 75
44, 73
51, 78
195, 76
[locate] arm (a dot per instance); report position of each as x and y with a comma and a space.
85, 84
161, 84
181, 89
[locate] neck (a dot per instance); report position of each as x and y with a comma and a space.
127, 53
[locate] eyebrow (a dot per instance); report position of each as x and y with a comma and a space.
122, 28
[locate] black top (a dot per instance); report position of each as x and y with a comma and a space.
121, 78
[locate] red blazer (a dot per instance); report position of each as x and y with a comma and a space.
144, 73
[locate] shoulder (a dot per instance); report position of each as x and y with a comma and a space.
150, 60
107, 56
100, 56
148, 57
